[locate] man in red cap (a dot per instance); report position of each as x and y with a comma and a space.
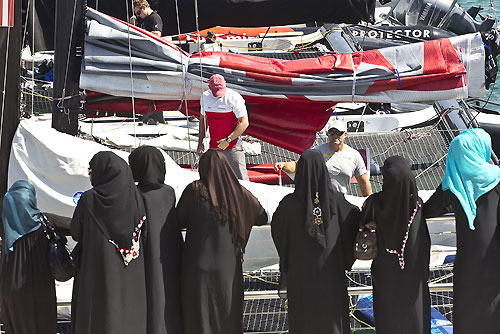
223, 110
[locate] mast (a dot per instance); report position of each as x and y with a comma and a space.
10, 63
67, 62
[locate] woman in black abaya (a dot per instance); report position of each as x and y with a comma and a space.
471, 189
218, 214
308, 228
27, 289
163, 245
109, 290
401, 269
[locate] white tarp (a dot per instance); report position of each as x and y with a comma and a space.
57, 165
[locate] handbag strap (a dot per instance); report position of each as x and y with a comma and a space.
49, 230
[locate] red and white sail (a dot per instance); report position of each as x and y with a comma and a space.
293, 93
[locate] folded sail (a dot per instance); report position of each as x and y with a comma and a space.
296, 93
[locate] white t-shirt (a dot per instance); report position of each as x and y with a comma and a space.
221, 114
342, 166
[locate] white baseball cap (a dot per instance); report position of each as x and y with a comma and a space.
337, 123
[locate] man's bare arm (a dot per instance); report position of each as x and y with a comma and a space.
364, 185
288, 167
201, 135
238, 131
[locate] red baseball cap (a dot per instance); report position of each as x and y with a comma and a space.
217, 85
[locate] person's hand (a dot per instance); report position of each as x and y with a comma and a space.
132, 20
222, 144
201, 148
279, 165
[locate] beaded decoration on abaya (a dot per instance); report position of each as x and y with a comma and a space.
133, 253
318, 220
401, 255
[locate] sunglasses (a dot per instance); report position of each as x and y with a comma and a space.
335, 133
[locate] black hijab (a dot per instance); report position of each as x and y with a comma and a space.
230, 200
148, 167
312, 177
396, 202
114, 202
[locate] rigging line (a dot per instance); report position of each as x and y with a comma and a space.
484, 105
417, 135
262, 40
33, 55
2, 110
24, 41
201, 64
184, 77
25, 24
435, 163
67, 58
131, 74
260, 279
361, 118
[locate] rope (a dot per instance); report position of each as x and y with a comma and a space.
184, 78
260, 279
131, 74
353, 92
67, 58
361, 118
492, 87
201, 64
33, 54
2, 110
25, 24
418, 135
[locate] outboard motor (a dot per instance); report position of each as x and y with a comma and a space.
445, 14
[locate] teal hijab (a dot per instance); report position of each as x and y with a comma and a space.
468, 173
20, 215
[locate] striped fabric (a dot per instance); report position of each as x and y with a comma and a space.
296, 93
6, 13
427, 71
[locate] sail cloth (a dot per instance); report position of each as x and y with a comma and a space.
288, 92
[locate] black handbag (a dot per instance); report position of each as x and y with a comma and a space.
60, 261
365, 245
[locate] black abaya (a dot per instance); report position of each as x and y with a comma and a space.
211, 280
109, 290
317, 290
476, 273
401, 298
312, 230
108, 297
28, 294
163, 248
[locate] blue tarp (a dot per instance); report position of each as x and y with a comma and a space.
439, 323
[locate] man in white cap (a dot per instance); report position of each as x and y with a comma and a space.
223, 110
342, 161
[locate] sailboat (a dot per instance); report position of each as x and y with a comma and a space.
57, 163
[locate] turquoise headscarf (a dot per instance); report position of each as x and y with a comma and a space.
20, 214
468, 172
